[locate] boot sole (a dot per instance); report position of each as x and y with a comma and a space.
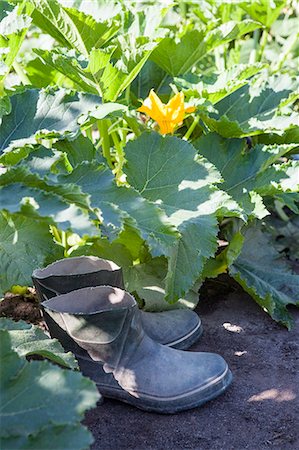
166, 405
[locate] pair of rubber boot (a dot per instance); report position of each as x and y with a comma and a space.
127, 352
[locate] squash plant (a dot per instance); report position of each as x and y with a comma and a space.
146, 133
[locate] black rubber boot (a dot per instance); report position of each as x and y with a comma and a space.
104, 323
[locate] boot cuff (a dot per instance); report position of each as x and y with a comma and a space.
91, 300
75, 266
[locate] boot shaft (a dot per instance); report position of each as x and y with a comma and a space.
71, 274
104, 321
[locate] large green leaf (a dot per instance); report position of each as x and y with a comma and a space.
38, 399
29, 340
154, 168
119, 204
42, 75
25, 243
247, 171
37, 113
253, 109
65, 204
265, 276
177, 58
70, 27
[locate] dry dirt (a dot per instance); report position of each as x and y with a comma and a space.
260, 409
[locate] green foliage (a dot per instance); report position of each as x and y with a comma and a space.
265, 276
19, 255
29, 340
41, 404
183, 191
262, 112
70, 27
178, 58
247, 173
37, 114
14, 24
84, 173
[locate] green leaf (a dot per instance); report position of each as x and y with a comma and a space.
265, 276
105, 110
77, 150
114, 79
286, 233
263, 11
30, 340
101, 247
70, 27
66, 64
253, 109
38, 397
154, 167
18, 256
64, 204
247, 172
13, 29
216, 87
68, 437
37, 113
219, 264
119, 204
150, 77
290, 200
178, 57
147, 282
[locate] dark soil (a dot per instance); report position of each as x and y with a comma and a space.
260, 409
21, 307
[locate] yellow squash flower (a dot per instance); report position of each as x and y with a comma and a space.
167, 116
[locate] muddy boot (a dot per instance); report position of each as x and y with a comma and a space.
178, 328
105, 322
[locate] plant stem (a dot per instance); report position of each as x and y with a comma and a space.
120, 154
128, 95
133, 125
263, 44
56, 234
88, 132
279, 209
103, 130
191, 128
253, 53
20, 72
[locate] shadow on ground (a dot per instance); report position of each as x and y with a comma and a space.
260, 409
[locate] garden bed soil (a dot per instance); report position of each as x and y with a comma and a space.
260, 409
22, 307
